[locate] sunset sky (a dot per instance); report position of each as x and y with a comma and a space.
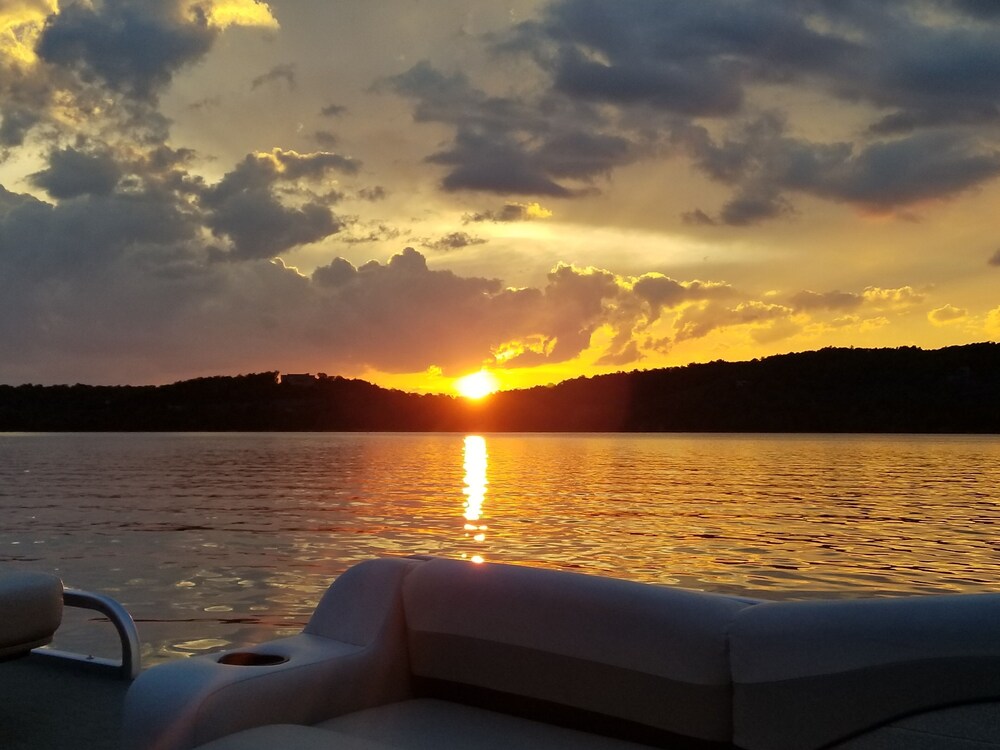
408, 191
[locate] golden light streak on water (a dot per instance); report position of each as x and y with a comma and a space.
475, 463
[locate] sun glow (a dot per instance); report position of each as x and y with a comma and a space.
477, 385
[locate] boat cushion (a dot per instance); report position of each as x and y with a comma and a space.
970, 727
291, 736
420, 725
30, 611
851, 665
645, 654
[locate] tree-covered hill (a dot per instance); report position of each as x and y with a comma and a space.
956, 390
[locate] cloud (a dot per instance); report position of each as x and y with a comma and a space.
454, 241
245, 207
71, 173
836, 300
697, 321
373, 194
931, 81
77, 66
209, 102
761, 162
901, 298
133, 47
947, 315
225, 13
993, 322
510, 146
283, 72
326, 139
380, 232
660, 292
698, 217
510, 212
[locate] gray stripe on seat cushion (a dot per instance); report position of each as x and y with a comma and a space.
702, 711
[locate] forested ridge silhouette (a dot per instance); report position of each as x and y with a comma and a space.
907, 389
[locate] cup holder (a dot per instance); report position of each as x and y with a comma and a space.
251, 659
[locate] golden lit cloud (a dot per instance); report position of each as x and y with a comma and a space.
946, 315
535, 211
225, 13
892, 298
993, 322
21, 24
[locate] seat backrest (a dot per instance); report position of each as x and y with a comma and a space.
646, 655
809, 673
31, 606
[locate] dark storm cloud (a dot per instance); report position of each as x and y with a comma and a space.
71, 173
132, 46
508, 146
284, 72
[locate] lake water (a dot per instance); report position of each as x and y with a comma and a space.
222, 540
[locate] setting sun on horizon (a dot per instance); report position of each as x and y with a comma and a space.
477, 385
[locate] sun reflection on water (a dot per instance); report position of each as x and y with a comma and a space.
475, 456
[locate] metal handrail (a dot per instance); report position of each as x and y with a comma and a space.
129, 666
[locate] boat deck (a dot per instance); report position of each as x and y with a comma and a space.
48, 705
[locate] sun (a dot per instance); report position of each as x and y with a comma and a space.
477, 385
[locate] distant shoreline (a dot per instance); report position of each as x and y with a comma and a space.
955, 390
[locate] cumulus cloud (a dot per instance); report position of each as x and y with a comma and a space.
700, 320
71, 173
946, 315
508, 146
901, 298
133, 47
245, 207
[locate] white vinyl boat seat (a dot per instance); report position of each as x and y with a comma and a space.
415, 654
31, 606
